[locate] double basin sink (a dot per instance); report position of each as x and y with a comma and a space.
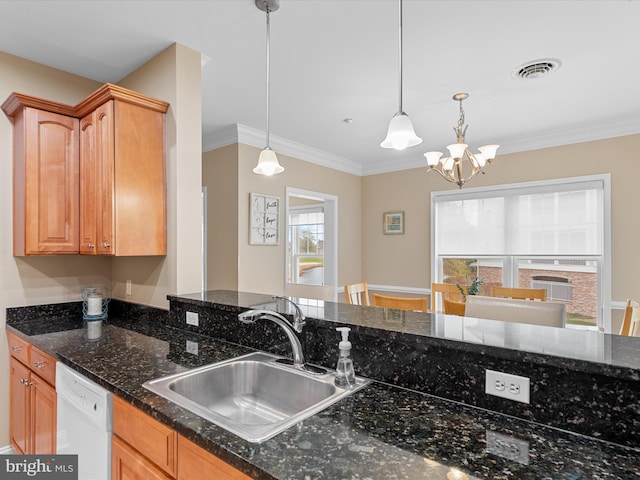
253, 396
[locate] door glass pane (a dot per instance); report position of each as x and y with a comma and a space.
306, 246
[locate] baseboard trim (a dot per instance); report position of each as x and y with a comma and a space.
8, 450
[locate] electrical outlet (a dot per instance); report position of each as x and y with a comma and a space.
192, 347
508, 447
192, 318
508, 386
128, 288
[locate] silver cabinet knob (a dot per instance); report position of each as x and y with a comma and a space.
106, 245
90, 245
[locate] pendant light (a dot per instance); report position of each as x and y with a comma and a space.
268, 161
400, 133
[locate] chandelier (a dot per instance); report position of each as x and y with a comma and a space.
462, 165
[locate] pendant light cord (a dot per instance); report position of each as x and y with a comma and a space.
268, 67
400, 57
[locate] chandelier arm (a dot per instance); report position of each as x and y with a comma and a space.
442, 174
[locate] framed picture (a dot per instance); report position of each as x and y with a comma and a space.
264, 219
393, 223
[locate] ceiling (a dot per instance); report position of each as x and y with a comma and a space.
338, 59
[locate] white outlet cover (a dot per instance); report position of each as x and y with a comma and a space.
192, 347
506, 385
192, 318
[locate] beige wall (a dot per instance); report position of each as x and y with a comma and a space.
173, 76
405, 259
262, 268
220, 176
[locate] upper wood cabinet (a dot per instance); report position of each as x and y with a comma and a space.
89, 179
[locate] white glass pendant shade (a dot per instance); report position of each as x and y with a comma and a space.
447, 164
433, 158
479, 159
457, 149
268, 163
400, 134
489, 151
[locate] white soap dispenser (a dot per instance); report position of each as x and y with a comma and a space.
345, 375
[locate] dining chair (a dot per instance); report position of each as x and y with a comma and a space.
550, 314
400, 303
357, 294
451, 307
520, 293
631, 322
448, 291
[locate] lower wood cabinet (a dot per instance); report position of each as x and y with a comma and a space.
144, 448
33, 399
128, 464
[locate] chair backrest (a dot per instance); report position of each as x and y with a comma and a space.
400, 303
551, 314
520, 293
447, 290
631, 322
357, 294
452, 307
318, 292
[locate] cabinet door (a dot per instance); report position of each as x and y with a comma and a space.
88, 185
96, 181
195, 463
43, 416
127, 464
46, 180
105, 157
19, 425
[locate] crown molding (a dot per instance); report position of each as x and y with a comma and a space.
238, 133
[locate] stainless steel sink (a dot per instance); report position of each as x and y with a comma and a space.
253, 396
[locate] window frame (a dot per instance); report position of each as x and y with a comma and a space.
511, 262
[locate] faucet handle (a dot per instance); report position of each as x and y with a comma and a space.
298, 316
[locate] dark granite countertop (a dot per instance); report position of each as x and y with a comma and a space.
380, 432
581, 350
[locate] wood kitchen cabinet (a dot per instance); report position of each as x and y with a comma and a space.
122, 174
144, 448
45, 177
33, 399
89, 179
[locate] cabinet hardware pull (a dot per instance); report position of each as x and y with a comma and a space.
16, 348
26, 382
90, 245
106, 245
39, 364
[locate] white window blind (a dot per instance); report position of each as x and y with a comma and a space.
542, 219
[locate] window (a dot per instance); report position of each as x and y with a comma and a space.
306, 245
552, 235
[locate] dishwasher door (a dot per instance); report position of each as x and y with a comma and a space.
85, 412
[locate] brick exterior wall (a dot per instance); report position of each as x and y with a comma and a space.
585, 297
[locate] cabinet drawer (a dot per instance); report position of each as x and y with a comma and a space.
154, 440
19, 348
43, 365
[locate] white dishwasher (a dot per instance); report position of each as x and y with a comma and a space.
85, 413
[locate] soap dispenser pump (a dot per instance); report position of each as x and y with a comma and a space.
345, 375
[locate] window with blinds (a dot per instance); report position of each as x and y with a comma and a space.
517, 234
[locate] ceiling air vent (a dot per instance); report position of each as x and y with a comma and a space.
536, 69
